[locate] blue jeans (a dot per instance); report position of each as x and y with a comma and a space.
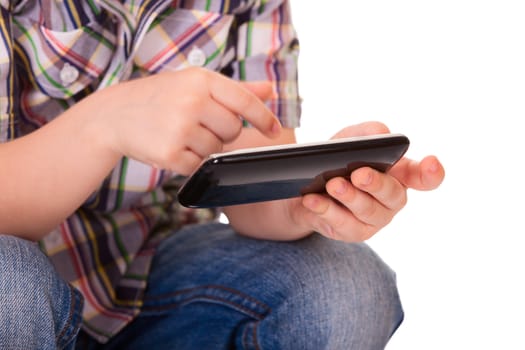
37, 309
213, 289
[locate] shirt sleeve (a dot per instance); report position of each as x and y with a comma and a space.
7, 78
267, 48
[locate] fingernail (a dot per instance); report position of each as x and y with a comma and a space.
367, 180
341, 188
433, 168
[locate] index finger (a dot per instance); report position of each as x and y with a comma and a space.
245, 103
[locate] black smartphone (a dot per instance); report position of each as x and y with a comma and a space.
285, 171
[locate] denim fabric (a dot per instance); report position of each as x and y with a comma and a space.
37, 309
212, 289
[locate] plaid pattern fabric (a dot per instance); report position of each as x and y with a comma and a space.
105, 248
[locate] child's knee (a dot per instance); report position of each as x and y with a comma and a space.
339, 296
36, 305
25, 272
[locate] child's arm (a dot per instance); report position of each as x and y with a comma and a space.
170, 120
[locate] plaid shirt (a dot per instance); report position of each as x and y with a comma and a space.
54, 53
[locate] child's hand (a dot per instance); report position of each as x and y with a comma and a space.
357, 208
174, 120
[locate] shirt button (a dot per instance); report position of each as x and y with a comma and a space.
196, 57
68, 74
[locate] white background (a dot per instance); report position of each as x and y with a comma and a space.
449, 74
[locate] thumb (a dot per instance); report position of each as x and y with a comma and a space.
362, 129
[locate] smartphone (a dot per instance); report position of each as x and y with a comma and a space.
285, 171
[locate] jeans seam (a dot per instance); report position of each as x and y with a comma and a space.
245, 337
216, 286
203, 297
255, 342
207, 297
69, 321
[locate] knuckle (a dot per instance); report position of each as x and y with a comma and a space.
245, 102
388, 220
197, 73
239, 123
218, 146
186, 165
339, 223
326, 229
368, 209
234, 129
189, 167
197, 78
191, 102
377, 127
329, 231
396, 198
403, 201
168, 154
366, 233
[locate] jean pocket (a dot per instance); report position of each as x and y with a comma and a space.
211, 294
